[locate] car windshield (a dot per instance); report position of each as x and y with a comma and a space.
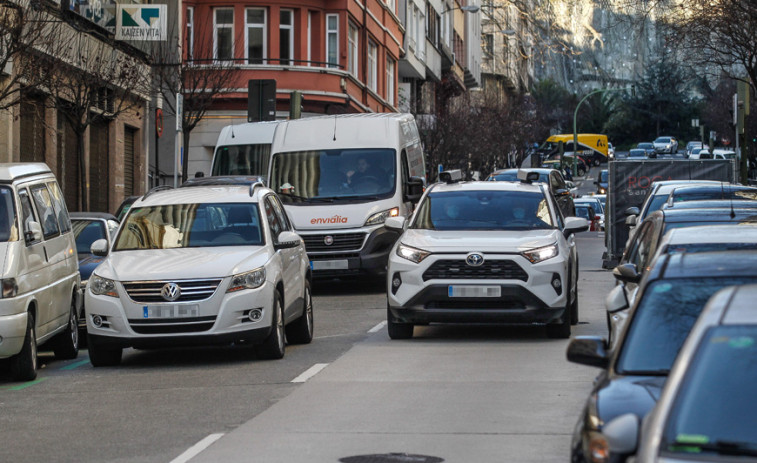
705, 247
87, 232
636, 153
8, 227
513, 177
645, 145
663, 318
334, 175
484, 210
242, 160
701, 194
654, 205
662, 140
715, 411
582, 210
190, 226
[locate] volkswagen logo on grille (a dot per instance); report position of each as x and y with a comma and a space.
328, 240
170, 292
474, 259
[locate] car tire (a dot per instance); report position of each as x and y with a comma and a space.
300, 331
398, 330
273, 347
101, 355
66, 345
560, 330
23, 365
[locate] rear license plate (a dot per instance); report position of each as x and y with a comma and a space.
170, 311
329, 264
474, 291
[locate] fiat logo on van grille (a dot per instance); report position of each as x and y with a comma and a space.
328, 240
474, 259
170, 292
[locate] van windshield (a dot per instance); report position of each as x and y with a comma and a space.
242, 160
8, 228
337, 175
190, 226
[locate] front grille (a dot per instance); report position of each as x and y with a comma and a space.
342, 242
453, 269
172, 325
191, 290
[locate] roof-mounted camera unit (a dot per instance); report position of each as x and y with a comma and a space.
527, 176
451, 176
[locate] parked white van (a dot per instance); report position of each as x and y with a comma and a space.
244, 149
340, 177
40, 274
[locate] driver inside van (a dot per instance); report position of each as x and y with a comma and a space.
365, 172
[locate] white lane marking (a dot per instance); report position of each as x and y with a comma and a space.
310, 372
195, 450
377, 327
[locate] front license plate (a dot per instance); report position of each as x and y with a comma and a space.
170, 311
474, 291
329, 264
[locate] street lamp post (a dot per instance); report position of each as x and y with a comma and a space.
575, 117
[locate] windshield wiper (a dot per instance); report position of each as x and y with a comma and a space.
350, 197
722, 447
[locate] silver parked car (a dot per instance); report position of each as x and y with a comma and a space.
665, 145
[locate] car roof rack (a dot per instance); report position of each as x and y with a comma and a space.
156, 189
254, 181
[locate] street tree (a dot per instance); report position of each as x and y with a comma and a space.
199, 76
94, 80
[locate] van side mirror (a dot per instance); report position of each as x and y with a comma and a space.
99, 247
414, 189
33, 232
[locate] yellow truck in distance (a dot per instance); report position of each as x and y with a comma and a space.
591, 146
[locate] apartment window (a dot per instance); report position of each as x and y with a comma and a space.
489, 44
413, 13
432, 25
390, 80
286, 37
352, 43
256, 35
332, 40
372, 63
421, 40
223, 37
310, 40
190, 33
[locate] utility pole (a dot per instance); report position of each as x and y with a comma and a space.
575, 115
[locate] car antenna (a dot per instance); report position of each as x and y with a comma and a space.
334, 127
722, 192
232, 129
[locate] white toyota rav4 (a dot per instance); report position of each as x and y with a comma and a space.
484, 252
207, 264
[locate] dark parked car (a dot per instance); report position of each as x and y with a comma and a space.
648, 147
602, 181
89, 227
713, 191
670, 299
552, 177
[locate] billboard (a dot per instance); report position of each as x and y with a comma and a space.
141, 22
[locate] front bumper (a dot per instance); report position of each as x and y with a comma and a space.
221, 318
368, 257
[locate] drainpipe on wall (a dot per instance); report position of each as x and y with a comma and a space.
365, 52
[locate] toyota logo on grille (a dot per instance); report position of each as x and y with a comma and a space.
170, 292
474, 259
328, 240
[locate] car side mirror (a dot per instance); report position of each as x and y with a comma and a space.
626, 273
588, 350
33, 232
631, 220
575, 225
633, 210
562, 192
622, 434
414, 188
395, 223
286, 240
616, 299
99, 247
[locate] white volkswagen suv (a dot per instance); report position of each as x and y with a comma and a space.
484, 252
206, 263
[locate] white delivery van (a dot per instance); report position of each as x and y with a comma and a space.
39, 269
339, 178
244, 149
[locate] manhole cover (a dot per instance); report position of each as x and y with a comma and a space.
391, 458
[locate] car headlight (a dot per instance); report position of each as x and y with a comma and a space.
248, 280
102, 286
10, 288
380, 217
540, 254
599, 448
412, 254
